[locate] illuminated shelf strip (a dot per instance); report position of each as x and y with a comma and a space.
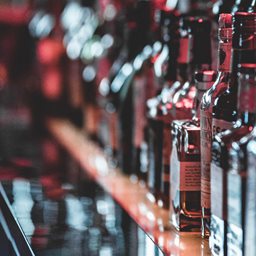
131, 196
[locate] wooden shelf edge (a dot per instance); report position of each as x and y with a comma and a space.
131, 196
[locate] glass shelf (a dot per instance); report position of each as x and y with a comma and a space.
131, 195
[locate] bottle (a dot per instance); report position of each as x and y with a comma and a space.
221, 83
122, 85
250, 205
185, 162
225, 108
158, 124
238, 165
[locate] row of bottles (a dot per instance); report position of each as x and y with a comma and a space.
171, 110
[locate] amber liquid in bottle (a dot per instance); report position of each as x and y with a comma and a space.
185, 163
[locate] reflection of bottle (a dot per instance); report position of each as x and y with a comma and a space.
237, 175
221, 83
224, 112
185, 162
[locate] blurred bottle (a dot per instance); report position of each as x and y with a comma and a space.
165, 71
224, 114
123, 85
250, 204
221, 83
185, 162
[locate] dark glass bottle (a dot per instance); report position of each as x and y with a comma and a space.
157, 120
122, 86
185, 162
238, 165
221, 84
243, 44
243, 51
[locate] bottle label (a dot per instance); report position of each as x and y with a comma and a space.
235, 232
216, 240
186, 174
219, 125
139, 96
217, 190
234, 240
225, 56
206, 147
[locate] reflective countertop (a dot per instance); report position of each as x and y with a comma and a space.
61, 210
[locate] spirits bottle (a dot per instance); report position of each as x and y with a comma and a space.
122, 86
238, 165
221, 84
185, 162
225, 108
158, 153
250, 205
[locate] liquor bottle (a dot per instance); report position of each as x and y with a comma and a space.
250, 205
158, 113
238, 165
221, 84
122, 85
185, 162
225, 108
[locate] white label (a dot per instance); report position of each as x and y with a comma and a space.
234, 241
206, 147
186, 174
235, 233
217, 190
139, 97
175, 172
216, 240
234, 199
219, 125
